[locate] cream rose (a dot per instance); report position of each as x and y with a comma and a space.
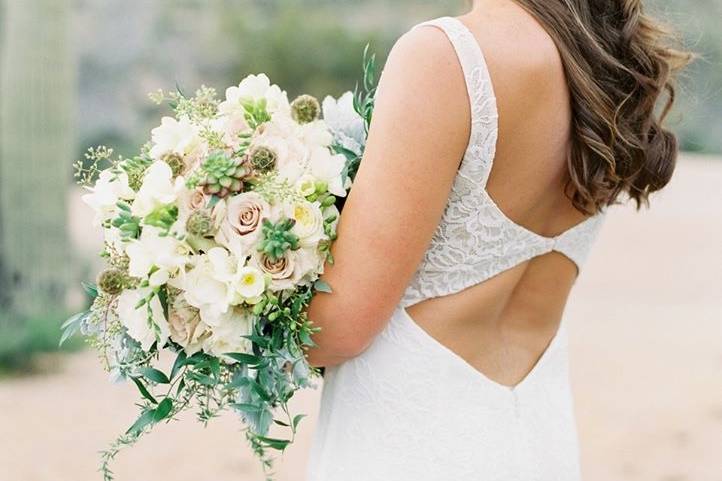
240, 227
186, 327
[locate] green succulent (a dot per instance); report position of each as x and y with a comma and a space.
222, 175
278, 238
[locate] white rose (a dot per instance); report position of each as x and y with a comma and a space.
176, 136
158, 189
139, 323
228, 334
240, 227
165, 254
103, 197
206, 286
328, 167
255, 88
309, 221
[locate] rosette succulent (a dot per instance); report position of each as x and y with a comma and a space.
222, 175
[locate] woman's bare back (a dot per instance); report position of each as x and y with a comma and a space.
503, 325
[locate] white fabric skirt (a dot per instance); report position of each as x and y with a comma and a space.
409, 409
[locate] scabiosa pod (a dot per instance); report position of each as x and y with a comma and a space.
305, 109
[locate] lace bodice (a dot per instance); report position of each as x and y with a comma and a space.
475, 240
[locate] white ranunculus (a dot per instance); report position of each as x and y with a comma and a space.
240, 226
228, 334
345, 123
255, 87
176, 136
144, 327
103, 197
152, 251
328, 167
158, 189
309, 221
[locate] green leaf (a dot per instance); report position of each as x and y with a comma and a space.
203, 379
155, 375
296, 420
180, 361
163, 410
72, 326
90, 288
279, 444
322, 286
143, 390
243, 358
144, 420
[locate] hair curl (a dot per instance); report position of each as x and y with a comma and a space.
618, 63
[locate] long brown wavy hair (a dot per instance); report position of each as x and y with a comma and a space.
620, 66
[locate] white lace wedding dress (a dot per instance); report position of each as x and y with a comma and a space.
409, 409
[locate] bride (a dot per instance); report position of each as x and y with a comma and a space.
498, 140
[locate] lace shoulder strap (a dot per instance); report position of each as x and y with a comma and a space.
484, 114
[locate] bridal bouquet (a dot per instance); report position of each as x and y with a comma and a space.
215, 237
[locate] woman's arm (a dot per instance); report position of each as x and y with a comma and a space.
419, 132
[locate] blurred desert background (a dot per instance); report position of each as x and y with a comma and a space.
645, 318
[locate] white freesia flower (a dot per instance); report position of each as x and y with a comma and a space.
345, 123
250, 283
143, 326
158, 189
164, 255
228, 334
328, 167
309, 221
240, 226
103, 197
255, 88
176, 136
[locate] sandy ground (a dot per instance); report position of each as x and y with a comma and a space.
646, 347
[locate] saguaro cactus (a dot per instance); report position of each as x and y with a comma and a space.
36, 148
